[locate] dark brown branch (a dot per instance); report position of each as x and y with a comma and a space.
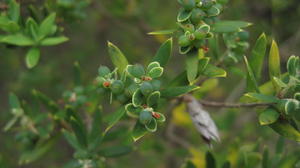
232, 105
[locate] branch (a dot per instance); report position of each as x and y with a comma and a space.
232, 105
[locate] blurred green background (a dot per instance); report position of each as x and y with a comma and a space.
126, 23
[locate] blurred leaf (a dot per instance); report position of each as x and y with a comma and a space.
136, 71
46, 26
95, 135
214, 72
77, 74
14, 10
274, 61
280, 145
188, 164
257, 58
113, 118
284, 128
162, 32
79, 131
177, 91
263, 97
210, 160
49, 103
226, 165
14, 101
191, 66
163, 54
17, 39
117, 57
265, 161
227, 26
156, 72
268, 116
115, 151
71, 139
38, 151
54, 40
32, 57
138, 131
252, 80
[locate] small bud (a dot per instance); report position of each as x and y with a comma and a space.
146, 78
106, 84
155, 115
205, 48
145, 117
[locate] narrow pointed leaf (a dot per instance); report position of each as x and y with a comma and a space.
114, 118
274, 61
163, 54
117, 57
177, 91
252, 80
138, 131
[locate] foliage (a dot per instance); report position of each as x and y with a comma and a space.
142, 96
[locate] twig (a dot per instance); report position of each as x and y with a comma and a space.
232, 105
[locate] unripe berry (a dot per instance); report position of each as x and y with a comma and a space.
145, 116
117, 86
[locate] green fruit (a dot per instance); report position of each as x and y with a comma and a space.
188, 4
146, 88
184, 41
145, 116
243, 35
197, 15
117, 87
122, 98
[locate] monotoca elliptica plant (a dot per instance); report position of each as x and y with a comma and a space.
140, 94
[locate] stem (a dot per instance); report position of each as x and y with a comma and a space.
232, 105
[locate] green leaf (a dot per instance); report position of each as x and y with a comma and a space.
151, 126
191, 66
214, 72
117, 57
210, 160
17, 39
156, 72
152, 65
32, 57
79, 131
49, 103
10, 123
38, 151
262, 97
137, 98
14, 10
274, 61
257, 58
226, 165
162, 32
252, 80
114, 118
136, 71
172, 92
96, 130
284, 128
268, 116
133, 111
153, 98
71, 139
14, 101
265, 160
54, 40
203, 62
115, 151
280, 145
32, 28
138, 131
227, 26
46, 27
183, 15
164, 52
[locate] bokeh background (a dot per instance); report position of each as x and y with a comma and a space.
126, 23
